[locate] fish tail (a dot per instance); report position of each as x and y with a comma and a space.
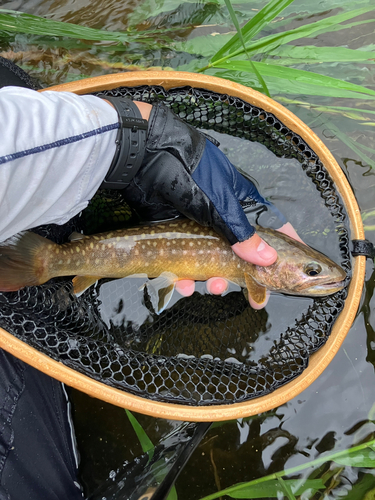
22, 261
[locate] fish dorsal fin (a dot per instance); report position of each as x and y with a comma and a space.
76, 236
257, 292
82, 283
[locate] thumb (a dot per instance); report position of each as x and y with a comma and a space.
256, 251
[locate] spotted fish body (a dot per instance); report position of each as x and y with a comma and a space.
183, 249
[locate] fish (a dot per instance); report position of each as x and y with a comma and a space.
165, 253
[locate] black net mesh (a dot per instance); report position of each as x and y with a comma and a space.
199, 350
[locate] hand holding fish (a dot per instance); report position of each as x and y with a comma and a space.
183, 172
180, 172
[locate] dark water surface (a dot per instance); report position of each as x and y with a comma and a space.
338, 409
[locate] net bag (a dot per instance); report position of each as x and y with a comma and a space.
195, 361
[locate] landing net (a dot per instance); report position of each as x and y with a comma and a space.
203, 350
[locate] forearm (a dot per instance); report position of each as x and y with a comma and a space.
55, 151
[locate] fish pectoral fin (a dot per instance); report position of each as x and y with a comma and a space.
82, 283
76, 236
257, 292
160, 290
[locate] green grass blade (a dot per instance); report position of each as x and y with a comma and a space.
271, 42
272, 488
144, 440
354, 146
356, 114
253, 27
19, 22
239, 33
207, 45
313, 463
309, 54
296, 81
364, 459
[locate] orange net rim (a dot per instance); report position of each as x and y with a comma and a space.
318, 361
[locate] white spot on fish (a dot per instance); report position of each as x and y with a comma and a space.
60, 262
168, 243
97, 261
136, 252
143, 236
191, 244
154, 244
149, 253
91, 245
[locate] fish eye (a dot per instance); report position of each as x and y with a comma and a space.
313, 269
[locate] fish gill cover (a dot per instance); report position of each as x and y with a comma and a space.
199, 351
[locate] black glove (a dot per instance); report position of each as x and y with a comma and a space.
184, 173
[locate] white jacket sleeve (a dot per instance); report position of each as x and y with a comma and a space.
55, 150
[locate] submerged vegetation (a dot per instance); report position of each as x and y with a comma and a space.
278, 51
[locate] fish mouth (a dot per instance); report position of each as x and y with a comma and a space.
328, 288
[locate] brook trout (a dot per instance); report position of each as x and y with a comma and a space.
167, 252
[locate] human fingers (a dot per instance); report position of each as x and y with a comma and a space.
256, 251
185, 287
215, 286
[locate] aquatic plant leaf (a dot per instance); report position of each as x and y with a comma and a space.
355, 146
305, 31
361, 458
152, 8
202, 45
239, 32
296, 81
253, 27
366, 484
20, 22
144, 440
273, 488
309, 54
357, 114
